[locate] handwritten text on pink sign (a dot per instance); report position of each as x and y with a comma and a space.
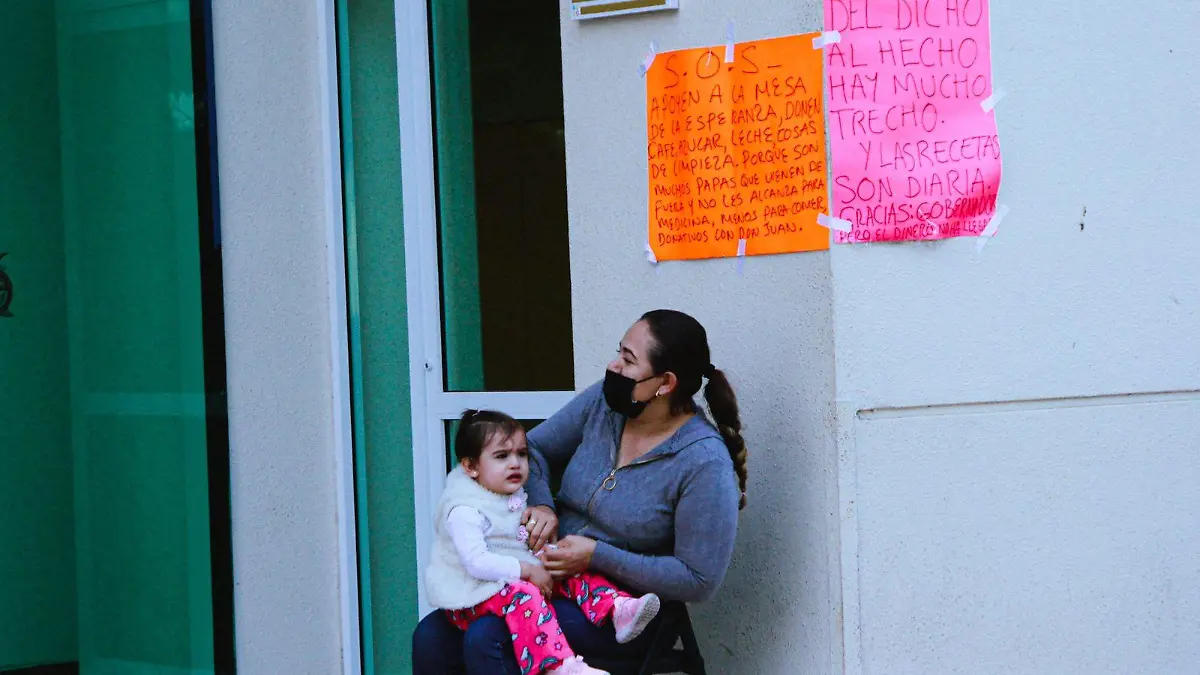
914, 155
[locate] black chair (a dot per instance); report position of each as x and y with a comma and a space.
664, 656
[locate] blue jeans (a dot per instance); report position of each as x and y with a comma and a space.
486, 648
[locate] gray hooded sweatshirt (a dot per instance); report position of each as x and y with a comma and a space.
665, 523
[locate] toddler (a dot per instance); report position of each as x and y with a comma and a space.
481, 563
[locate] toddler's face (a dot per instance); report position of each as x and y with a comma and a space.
503, 467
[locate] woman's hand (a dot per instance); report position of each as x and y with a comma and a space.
542, 524
569, 557
538, 576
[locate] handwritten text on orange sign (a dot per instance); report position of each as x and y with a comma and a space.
736, 150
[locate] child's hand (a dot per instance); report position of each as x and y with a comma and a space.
538, 576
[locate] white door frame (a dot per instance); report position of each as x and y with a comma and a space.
343, 439
431, 403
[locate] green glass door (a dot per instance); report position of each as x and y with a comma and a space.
379, 341
104, 354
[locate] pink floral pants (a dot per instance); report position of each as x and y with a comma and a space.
537, 639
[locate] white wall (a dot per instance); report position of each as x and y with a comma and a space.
273, 190
1021, 525
771, 329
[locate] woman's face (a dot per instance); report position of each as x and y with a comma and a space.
633, 361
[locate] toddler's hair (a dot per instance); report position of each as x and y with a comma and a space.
477, 427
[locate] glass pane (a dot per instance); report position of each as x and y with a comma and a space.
377, 302
106, 547
502, 189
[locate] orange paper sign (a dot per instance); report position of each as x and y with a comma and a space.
736, 150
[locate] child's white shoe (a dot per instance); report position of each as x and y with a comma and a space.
632, 615
576, 666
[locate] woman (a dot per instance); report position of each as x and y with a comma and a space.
650, 494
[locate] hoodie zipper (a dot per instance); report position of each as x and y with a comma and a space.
612, 476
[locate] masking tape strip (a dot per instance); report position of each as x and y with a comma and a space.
741, 256
992, 226
832, 223
649, 60
729, 51
829, 37
990, 102
650, 257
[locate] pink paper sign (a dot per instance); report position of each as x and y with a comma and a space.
914, 154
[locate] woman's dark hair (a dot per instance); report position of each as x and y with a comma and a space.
681, 346
477, 427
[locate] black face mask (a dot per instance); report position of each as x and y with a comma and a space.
618, 394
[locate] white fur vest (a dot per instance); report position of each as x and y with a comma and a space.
447, 584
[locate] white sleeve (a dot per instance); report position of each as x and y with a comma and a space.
465, 526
